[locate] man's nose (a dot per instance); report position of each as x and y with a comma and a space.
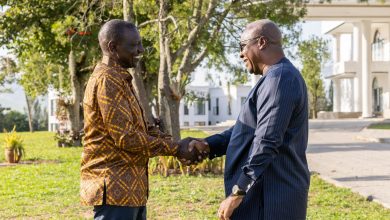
241, 55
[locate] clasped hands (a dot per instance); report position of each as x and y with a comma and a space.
192, 150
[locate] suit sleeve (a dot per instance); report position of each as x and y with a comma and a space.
275, 105
218, 143
120, 122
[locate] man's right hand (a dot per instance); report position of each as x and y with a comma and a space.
192, 150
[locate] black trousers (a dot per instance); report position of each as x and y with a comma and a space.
113, 212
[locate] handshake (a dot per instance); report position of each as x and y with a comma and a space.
192, 150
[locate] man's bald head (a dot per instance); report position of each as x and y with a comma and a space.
261, 46
113, 31
266, 28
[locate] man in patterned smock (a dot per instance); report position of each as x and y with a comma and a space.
117, 142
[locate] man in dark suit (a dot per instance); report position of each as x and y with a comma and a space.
266, 172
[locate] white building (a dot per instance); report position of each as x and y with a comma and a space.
52, 98
361, 55
214, 104
215, 107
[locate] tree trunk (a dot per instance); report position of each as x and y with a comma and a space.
29, 113
140, 91
74, 113
165, 96
175, 121
138, 83
315, 107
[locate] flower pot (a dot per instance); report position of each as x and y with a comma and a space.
10, 155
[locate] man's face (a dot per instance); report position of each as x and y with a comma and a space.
249, 52
129, 49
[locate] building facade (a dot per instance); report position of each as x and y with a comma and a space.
52, 98
213, 105
360, 73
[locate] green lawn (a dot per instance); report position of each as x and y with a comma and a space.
50, 190
379, 126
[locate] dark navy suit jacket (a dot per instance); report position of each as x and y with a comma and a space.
265, 149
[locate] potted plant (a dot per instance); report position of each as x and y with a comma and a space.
14, 150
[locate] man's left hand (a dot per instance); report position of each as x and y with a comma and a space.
228, 206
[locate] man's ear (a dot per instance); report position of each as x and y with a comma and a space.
111, 47
262, 43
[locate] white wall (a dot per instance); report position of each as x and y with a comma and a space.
51, 110
236, 93
191, 119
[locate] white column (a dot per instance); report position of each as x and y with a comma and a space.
366, 70
357, 107
357, 57
386, 110
356, 41
336, 48
336, 95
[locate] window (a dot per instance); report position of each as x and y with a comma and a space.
209, 101
186, 109
52, 107
200, 107
200, 123
377, 97
216, 107
378, 47
186, 123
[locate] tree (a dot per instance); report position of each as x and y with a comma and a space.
313, 54
55, 45
14, 118
8, 69
193, 32
39, 116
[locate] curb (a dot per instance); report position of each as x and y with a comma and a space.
339, 184
375, 140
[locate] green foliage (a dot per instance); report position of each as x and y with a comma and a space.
329, 202
50, 30
12, 139
13, 118
165, 165
385, 125
219, 35
8, 70
313, 54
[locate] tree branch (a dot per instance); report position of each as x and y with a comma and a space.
192, 35
158, 20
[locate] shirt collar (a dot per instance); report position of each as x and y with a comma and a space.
119, 71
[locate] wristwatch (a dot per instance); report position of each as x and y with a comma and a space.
236, 191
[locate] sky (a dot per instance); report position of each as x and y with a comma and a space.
16, 100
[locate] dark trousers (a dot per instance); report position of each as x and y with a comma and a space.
113, 212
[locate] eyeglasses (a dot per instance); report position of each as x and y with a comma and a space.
245, 42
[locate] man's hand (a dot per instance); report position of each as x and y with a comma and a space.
228, 206
192, 150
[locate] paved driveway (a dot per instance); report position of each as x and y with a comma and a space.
340, 157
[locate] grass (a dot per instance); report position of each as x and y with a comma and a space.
50, 190
379, 126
